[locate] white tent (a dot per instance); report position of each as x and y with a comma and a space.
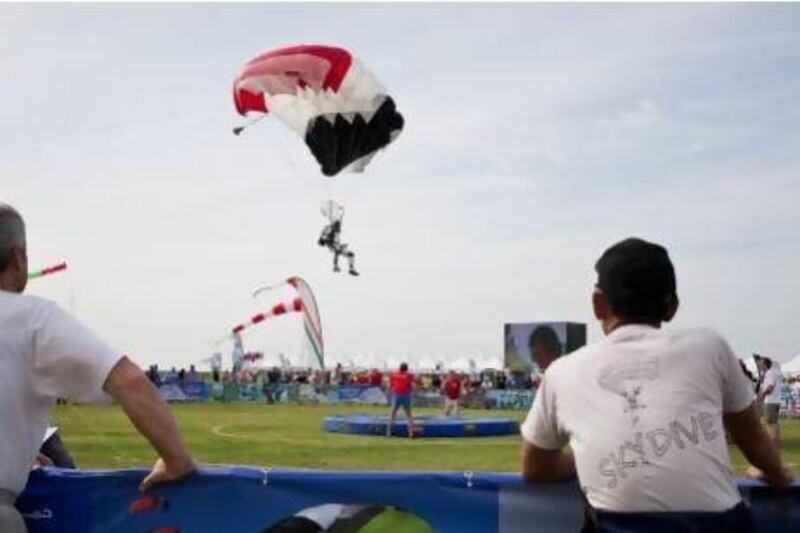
792, 366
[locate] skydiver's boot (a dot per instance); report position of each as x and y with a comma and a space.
352, 259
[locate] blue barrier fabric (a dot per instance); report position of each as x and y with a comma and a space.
425, 426
237, 499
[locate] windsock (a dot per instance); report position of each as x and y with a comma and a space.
47, 271
295, 306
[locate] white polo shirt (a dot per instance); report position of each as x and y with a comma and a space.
45, 354
773, 377
642, 411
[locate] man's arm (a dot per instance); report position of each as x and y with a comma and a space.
152, 417
765, 391
544, 466
749, 435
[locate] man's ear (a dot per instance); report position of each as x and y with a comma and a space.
18, 264
600, 305
672, 307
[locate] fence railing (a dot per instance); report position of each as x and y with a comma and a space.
247, 500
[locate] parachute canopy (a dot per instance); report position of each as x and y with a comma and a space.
327, 96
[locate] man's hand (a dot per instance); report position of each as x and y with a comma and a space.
164, 473
42, 460
778, 483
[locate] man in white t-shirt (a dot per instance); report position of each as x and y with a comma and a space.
46, 354
770, 396
643, 409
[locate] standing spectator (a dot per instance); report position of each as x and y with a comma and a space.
192, 376
172, 377
45, 354
375, 378
154, 375
501, 382
452, 394
645, 411
401, 384
770, 397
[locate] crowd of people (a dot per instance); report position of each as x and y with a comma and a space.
269, 379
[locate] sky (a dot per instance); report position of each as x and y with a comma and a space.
536, 136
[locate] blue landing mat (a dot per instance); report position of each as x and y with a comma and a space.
425, 426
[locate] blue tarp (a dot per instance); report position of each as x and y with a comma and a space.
249, 500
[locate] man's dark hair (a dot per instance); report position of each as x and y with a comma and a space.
546, 336
767, 362
403, 367
12, 233
638, 280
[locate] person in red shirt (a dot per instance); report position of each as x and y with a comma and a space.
401, 384
375, 378
452, 393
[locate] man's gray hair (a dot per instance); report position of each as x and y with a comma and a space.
12, 233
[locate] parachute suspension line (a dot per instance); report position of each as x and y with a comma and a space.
238, 130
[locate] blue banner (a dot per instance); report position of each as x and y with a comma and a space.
252, 500
520, 400
356, 394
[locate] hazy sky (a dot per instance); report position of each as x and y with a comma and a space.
536, 136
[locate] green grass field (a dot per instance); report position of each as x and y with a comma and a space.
291, 436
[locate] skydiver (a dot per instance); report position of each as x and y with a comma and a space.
330, 239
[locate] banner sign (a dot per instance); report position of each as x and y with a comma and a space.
359, 395
520, 400
251, 500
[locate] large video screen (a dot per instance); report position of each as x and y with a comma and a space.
533, 346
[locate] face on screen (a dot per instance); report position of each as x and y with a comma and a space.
542, 356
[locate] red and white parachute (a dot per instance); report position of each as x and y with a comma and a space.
327, 96
303, 303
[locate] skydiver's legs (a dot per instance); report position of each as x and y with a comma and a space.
336, 254
351, 258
